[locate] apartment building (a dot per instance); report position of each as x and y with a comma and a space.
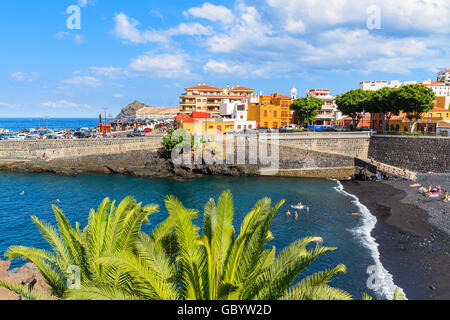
271, 111
444, 76
237, 111
329, 113
206, 98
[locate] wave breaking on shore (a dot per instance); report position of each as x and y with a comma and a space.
386, 286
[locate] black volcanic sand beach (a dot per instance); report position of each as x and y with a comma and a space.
413, 233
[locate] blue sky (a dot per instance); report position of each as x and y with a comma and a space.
151, 50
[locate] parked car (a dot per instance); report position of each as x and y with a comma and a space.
289, 128
81, 135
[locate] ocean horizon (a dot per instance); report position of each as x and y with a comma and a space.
17, 124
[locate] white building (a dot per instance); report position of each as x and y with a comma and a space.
237, 111
377, 85
294, 93
443, 129
444, 76
439, 88
329, 113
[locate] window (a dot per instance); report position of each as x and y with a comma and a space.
265, 113
275, 113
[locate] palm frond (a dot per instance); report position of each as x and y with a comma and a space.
25, 292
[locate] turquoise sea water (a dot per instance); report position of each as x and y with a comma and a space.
330, 215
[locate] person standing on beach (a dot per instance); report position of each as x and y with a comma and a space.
446, 197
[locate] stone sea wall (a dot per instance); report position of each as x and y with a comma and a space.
420, 154
66, 149
303, 155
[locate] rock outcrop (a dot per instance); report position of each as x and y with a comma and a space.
28, 275
129, 112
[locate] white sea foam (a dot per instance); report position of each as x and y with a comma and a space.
386, 286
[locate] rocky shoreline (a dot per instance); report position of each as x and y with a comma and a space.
28, 276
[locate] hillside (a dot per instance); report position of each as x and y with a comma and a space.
137, 110
129, 112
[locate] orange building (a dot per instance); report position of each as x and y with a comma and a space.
104, 128
348, 122
271, 111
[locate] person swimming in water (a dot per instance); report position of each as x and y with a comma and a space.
296, 215
288, 213
299, 205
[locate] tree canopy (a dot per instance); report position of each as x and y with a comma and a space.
306, 109
385, 103
415, 100
354, 104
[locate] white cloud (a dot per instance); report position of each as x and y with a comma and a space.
117, 95
405, 15
126, 29
64, 104
162, 65
190, 29
8, 105
87, 81
297, 37
83, 3
111, 72
211, 12
249, 31
25, 77
78, 39
221, 67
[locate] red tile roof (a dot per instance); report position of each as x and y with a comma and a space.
280, 96
439, 110
444, 125
201, 115
239, 88
447, 70
189, 120
181, 116
441, 84
204, 87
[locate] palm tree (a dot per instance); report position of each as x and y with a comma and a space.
110, 229
217, 265
176, 261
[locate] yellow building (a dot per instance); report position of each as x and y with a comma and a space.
271, 111
427, 123
207, 126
